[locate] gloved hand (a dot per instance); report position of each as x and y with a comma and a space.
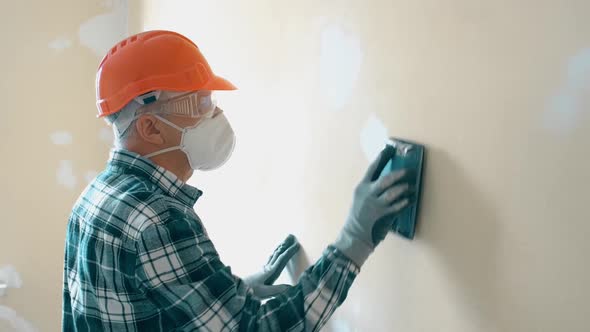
262, 282
375, 204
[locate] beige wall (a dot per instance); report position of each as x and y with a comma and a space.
51, 141
499, 91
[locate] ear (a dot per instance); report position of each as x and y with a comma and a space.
148, 129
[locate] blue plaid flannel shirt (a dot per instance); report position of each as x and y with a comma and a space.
138, 258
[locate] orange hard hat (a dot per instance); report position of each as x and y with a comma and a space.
148, 61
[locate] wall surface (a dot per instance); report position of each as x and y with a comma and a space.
52, 144
499, 91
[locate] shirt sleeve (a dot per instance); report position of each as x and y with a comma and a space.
66, 313
180, 271
67, 319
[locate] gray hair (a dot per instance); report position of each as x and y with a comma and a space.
123, 123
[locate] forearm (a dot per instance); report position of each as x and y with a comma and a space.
311, 302
200, 292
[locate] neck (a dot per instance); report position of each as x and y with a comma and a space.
174, 161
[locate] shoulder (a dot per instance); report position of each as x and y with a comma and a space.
156, 213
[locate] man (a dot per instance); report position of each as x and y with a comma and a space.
138, 257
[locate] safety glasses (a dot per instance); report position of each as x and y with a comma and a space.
191, 104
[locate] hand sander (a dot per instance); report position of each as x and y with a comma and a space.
408, 155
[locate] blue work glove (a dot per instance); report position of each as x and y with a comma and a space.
375, 204
262, 282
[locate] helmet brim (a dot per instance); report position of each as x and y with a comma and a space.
217, 83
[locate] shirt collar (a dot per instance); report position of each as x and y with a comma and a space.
133, 163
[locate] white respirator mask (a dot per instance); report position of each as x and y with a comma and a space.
208, 144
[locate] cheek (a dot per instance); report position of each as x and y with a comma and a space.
188, 122
172, 135
194, 122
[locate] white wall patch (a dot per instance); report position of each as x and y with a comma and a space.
106, 135
59, 44
10, 277
90, 175
16, 322
101, 32
61, 138
572, 97
340, 65
340, 325
373, 137
65, 174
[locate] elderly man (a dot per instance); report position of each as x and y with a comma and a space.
137, 256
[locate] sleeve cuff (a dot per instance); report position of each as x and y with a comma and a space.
357, 251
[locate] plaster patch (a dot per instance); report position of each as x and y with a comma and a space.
106, 135
101, 32
16, 322
60, 43
90, 175
571, 98
10, 277
373, 137
61, 138
340, 65
65, 174
340, 325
